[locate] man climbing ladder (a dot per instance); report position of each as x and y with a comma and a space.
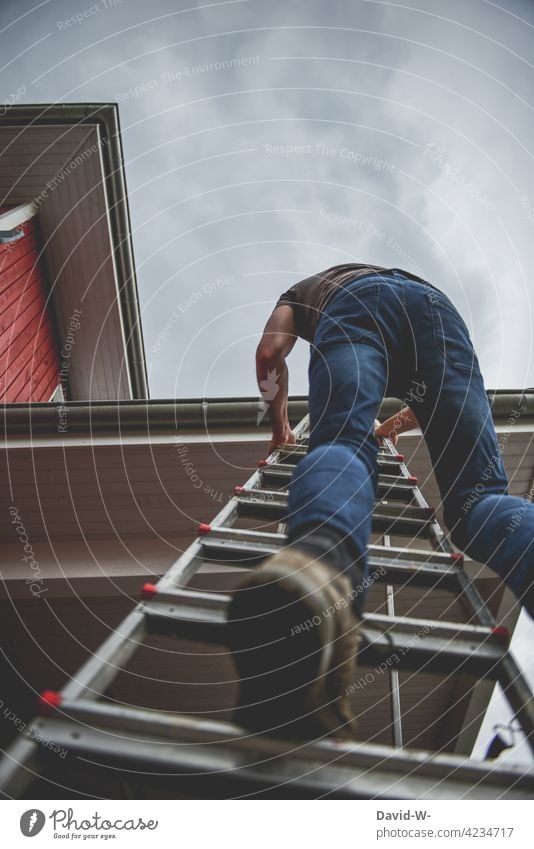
374, 332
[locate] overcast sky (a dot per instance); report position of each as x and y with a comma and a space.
413, 128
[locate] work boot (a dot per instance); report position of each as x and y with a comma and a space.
294, 637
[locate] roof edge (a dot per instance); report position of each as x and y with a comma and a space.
196, 414
106, 115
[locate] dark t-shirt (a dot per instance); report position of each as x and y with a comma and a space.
309, 297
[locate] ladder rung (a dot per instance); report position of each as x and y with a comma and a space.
393, 486
274, 541
275, 496
429, 646
200, 753
301, 448
247, 553
416, 643
387, 519
385, 459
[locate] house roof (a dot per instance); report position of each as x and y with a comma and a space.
68, 161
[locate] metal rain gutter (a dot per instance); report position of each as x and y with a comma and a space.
196, 414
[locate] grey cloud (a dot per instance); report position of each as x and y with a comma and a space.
368, 78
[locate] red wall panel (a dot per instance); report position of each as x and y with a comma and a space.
29, 359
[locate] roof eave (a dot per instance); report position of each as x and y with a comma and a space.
106, 115
200, 414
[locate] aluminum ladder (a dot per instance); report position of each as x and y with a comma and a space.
207, 758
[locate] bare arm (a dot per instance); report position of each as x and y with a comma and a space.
399, 423
279, 337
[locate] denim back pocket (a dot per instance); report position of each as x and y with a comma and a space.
351, 315
450, 334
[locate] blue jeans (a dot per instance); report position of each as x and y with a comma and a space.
391, 336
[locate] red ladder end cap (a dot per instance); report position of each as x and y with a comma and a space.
49, 700
204, 529
399, 458
412, 479
501, 633
238, 490
263, 463
457, 557
149, 591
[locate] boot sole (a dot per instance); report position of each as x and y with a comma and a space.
285, 647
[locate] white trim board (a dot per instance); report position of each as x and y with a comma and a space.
18, 215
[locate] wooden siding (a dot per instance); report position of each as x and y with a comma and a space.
130, 489
60, 169
80, 258
32, 155
29, 362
